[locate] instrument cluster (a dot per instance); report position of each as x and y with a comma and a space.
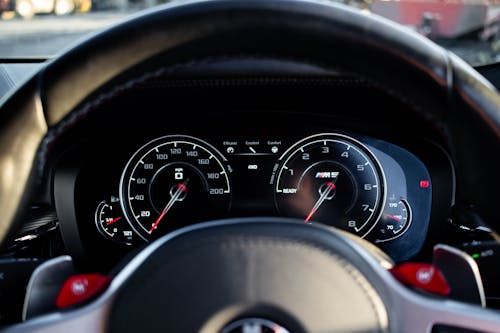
363, 185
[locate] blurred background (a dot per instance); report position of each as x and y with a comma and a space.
43, 28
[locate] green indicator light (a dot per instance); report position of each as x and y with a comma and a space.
475, 255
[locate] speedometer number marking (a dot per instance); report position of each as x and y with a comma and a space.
171, 182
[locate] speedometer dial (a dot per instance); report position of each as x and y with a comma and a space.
172, 182
332, 179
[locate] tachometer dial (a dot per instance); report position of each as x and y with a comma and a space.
332, 179
172, 182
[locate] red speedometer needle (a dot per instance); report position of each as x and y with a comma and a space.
113, 221
175, 196
329, 187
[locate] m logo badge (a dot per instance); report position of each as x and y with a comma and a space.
254, 325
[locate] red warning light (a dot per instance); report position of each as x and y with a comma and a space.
424, 184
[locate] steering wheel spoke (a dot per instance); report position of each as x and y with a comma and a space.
262, 257
416, 313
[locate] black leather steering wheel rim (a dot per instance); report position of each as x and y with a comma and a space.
246, 291
442, 89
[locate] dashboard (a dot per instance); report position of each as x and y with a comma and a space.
124, 186
365, 186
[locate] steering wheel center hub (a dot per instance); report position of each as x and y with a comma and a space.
308, 277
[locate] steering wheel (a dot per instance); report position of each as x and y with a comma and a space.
292, 277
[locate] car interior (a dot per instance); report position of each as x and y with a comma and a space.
250, 166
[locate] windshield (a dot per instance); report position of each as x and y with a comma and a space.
41, 29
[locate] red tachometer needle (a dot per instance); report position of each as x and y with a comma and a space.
329, 187
181, 188
113, 221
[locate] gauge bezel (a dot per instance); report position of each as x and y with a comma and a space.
379, 171
98, 224
102, 230
405, 228
143, 151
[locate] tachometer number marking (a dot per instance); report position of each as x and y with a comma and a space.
336, 180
